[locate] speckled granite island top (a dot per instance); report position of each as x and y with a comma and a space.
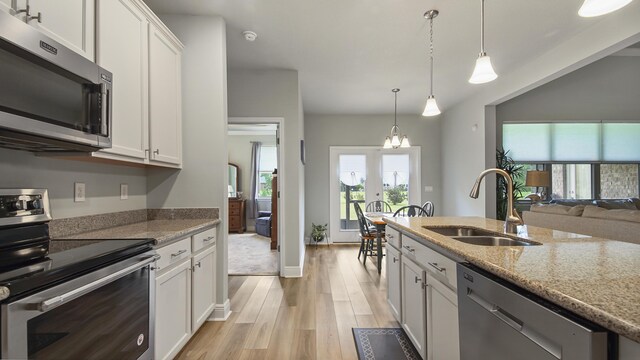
596, 278
164, 226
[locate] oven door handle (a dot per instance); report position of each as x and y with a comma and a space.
56, 301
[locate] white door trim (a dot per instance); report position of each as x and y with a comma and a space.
415, 172
281, 178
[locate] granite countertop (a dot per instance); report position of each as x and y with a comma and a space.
163, 232
596, 278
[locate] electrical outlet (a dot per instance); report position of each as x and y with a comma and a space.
124, 191
79, 192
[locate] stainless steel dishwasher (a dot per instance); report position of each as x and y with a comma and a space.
501, 321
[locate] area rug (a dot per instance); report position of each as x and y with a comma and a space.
251, 254
384, 343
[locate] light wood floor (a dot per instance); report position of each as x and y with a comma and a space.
305, 318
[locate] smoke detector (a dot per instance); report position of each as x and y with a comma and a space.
249, 35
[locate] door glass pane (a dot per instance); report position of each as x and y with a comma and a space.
353, 174
618, 181
395, 180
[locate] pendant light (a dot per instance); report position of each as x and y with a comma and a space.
431, 109
393, 141
591, 8
483, 72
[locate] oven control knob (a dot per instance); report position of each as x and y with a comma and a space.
15, 205
34, 204
4, 292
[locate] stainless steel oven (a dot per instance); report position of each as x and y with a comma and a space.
104, 314
51, 98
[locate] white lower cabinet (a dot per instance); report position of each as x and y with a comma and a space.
173, 310
204, 290
414, 304
393, 281
442, 321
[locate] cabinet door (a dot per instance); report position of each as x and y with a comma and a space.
173, 310
7, 6
122, 48
442, 321
414, 304
393, 281
70, 22
204, 289
165, 124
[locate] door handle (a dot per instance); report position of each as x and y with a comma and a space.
104, 122
56, 301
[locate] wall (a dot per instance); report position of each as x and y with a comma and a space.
202, 182
466, 152
21, 169
240, 154
323, 131
276, 93
608, 89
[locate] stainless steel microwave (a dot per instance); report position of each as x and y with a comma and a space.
52, 99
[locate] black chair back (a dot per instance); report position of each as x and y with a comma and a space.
428, 208
362, 222
410, 211
379, 206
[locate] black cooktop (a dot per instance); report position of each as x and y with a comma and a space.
68, 259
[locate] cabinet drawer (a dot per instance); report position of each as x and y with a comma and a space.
234, 222
234, 205
173, 253
234, 212
393, 237
443, 268
204, 239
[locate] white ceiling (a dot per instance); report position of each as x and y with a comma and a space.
351, 53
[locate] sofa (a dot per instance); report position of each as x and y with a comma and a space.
610, 219
263, 223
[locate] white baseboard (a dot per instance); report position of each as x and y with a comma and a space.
292, 272
221, 312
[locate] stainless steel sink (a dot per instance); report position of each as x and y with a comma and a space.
492, 241
479, 237
459, 231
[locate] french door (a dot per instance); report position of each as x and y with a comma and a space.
360, 174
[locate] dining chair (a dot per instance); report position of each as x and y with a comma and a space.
428, 208
367, 234
410, 211
379, 206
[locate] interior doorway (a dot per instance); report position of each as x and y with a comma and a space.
254, 206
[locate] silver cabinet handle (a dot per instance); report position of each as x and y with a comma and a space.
389, 236
208, 239
178, 253
39, 17
418, 279
104, 114
435, 266
395, 259
198, 264
156, 151
409, 248
54, 302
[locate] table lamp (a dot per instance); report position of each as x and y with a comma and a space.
538, 179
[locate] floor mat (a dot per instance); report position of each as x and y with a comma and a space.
384, 343
251, 254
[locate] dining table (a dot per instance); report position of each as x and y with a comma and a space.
377, 220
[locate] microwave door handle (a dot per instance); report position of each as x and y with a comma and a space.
56, 301
104, 124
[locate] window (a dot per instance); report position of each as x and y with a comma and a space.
619, 181
268, 162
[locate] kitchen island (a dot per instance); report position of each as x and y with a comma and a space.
594, 278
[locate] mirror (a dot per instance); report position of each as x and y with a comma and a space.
234, 175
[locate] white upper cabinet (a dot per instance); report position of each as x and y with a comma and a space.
70, 22
165, 112
122, 42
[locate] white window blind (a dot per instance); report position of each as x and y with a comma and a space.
580, 142
268, 158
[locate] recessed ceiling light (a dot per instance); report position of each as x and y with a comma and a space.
249, 35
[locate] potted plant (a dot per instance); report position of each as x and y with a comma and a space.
506, 163
318, 232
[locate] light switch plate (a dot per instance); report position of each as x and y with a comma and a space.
79, 192
124, 191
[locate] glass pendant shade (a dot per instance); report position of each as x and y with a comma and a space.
483, 72
591, 8
387, 143
395, 141
405, 142
431, 109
